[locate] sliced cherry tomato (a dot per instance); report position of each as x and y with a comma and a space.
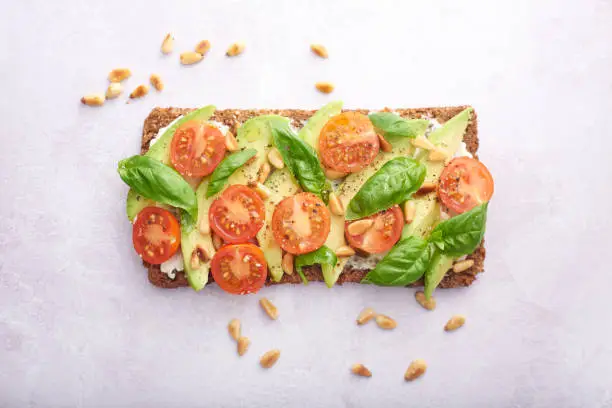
464, 184
197, 148
385, 231
156, 235
301, 223
239, 268
348, 142
237, 214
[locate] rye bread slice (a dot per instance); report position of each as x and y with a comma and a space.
161, 117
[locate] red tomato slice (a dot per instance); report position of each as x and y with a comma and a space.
464, 184
385, 231
197, 148
239, 269
301, 223
348, 142
156, 235
237, 214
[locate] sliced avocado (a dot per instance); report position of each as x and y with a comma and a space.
426, 216
440, 264
192, 240
311, 130
136, 203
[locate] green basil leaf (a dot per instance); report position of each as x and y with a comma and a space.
301, 160
156, 181
322, 256
462, 234
226, 168
440, 264
404, 264
394, 127
394, 183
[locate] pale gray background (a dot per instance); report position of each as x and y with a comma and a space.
81, 327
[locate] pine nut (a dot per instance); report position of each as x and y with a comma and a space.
119, 74
93, 100
203, 47
333, 174
345, 251
243, 344
361, 370
287, 263
217, 242
264, 172
234, 328
270, 358
335, 205
455, 322
423, 143
385, 146
231, 144
463, 266
139, 92
190, 57
365, 316
263, 191
204, 226
275, 158
409, 211
167, 44
157, 82
325, 87
427, 188
114, 90
427, 304
438, 154
319, 50
269, 308
360, 227
235, 49
417, 368
199, 256
385, 322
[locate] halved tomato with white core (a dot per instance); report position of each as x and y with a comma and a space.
239, 269
348, 142
301, 223
464, 184
197, 148
237, 214
385, 231
156, 235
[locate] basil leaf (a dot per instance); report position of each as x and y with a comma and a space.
322, 256
394, 183
461, 235
440, 264
156, 181
394, 127
226, 168
404, 264
301, 160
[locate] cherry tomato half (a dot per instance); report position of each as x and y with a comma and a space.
237, 214
156, 235
384, 232
196, 149
239, 269
464, 184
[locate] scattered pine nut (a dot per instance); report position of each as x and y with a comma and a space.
438, 154
264, 172
319, 50
157, 82
139, 92
345, 251
287, 263
269, 358
275, 158
243, 344
203, 47
385, 322
416, 369
365, 316
263, 191
455, 322
119, 74
427, 188
423, 143
269, 308
335, 205
217, 242
361, 370
190, 57
385, 146
199, 256
167, 44
204, 226
360, 226
231, 144
93, 100
463, 266
234, 329
114, 90
427, 304
409, 211
325, 87
333, 174
235, 49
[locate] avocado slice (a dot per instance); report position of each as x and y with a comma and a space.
426, 216
136, 203
440, 264
311, 130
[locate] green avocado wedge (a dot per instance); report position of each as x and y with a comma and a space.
311, 130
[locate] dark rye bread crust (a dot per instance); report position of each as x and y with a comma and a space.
160, 117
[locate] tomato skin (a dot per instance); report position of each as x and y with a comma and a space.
197, 148
235, 275
301, 223
384, 233
348, 142
156, 235
464, 184
237, 215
